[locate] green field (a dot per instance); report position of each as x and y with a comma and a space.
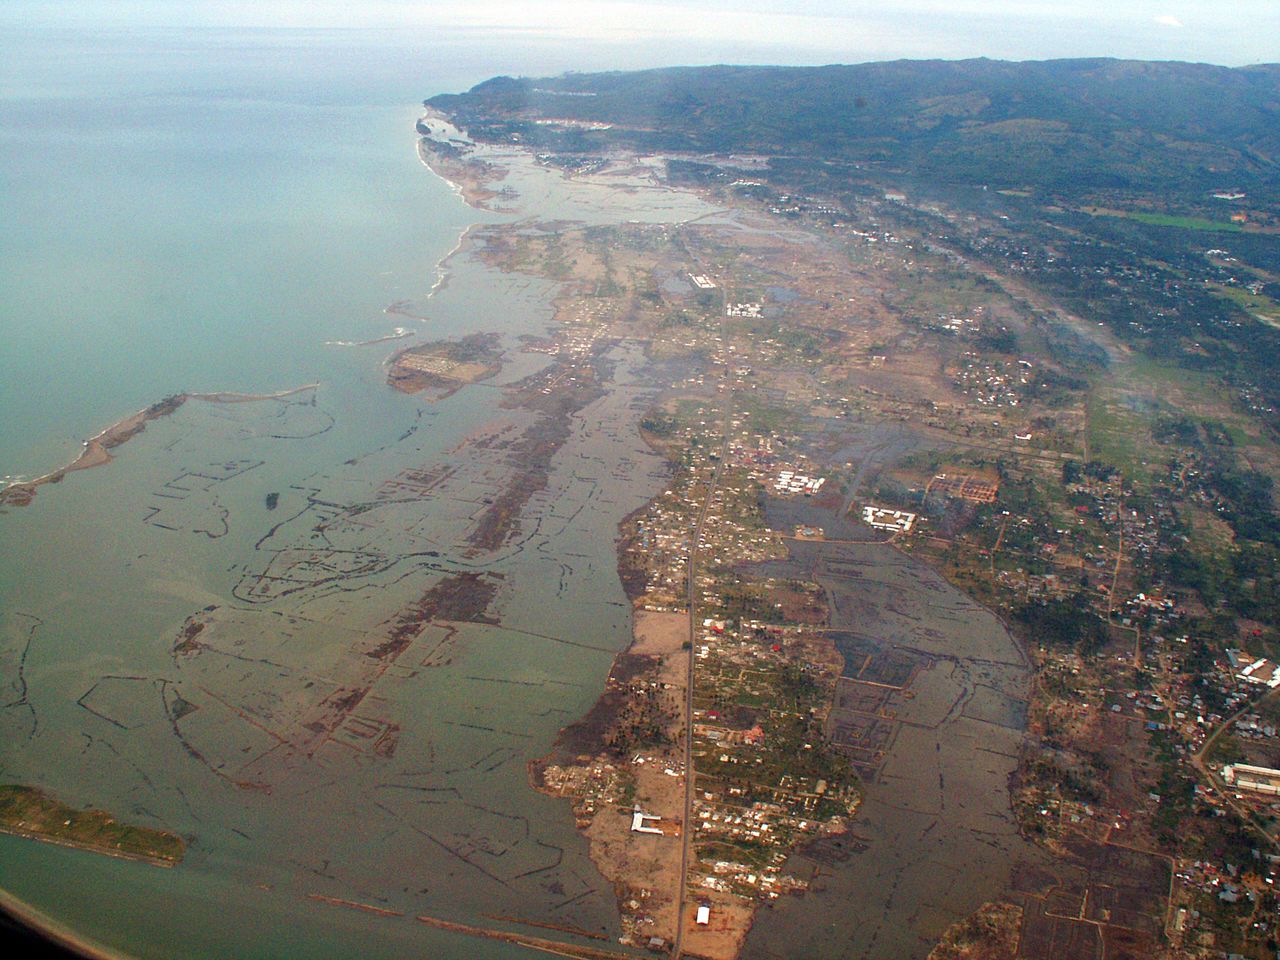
1185, 223
30, 812
1259, 306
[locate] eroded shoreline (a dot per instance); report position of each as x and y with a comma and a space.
97, 449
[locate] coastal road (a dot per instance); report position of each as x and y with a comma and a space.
686, 834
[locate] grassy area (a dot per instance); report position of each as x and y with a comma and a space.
1257, 305
1123, 408
1171, 220
1115, 430
29, 811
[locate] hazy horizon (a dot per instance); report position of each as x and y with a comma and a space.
596, 34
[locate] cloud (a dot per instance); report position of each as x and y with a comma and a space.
1166, 20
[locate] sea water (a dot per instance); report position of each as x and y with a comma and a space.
201, 212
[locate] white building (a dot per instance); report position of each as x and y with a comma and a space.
640, 822
1254, 779
1262, 672
882, 519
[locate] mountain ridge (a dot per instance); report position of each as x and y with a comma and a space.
1061, 125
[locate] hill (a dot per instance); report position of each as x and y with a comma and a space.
1059, 125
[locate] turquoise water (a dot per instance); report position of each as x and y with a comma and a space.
184, 215
202, 212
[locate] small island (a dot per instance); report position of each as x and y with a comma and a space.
442, 367
30, 812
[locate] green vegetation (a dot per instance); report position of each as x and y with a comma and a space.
1170, 220
29, 811
1059, 125
1069, 623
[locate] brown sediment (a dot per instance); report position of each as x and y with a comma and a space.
558, 396
462, 598
589, 736
535, 943
97, 449
188, 642
991, 933
354, 905
560, 927
444, 366
594, 763
467, 175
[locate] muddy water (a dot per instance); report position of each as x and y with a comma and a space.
931, 708
417, 801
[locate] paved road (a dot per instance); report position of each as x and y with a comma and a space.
686, 841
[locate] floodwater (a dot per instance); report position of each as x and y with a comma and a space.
931, 708
202, 635
213, 235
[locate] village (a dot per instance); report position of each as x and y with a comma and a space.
1024, 487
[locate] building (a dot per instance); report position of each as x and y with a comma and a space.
1254, 779
899, 521
704, 914
640, 822
790, 482
1261, 671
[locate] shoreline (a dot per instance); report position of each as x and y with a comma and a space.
443, 273
469, 190
97, 449
472, 195
89, 848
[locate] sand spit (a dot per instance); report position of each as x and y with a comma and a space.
467, 178
399, 333
97, 449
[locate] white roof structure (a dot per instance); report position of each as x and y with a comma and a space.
1261, 671
639, 822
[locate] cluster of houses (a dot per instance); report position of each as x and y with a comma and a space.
882, 518
789, 483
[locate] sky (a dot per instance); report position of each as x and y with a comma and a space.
817, 31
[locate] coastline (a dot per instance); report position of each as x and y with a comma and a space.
89, 848
97, 449
465, 181
399, 334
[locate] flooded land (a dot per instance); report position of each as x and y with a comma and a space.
320, 636
580, 621
931, 706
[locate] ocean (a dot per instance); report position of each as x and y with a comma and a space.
209, 211
200, 212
